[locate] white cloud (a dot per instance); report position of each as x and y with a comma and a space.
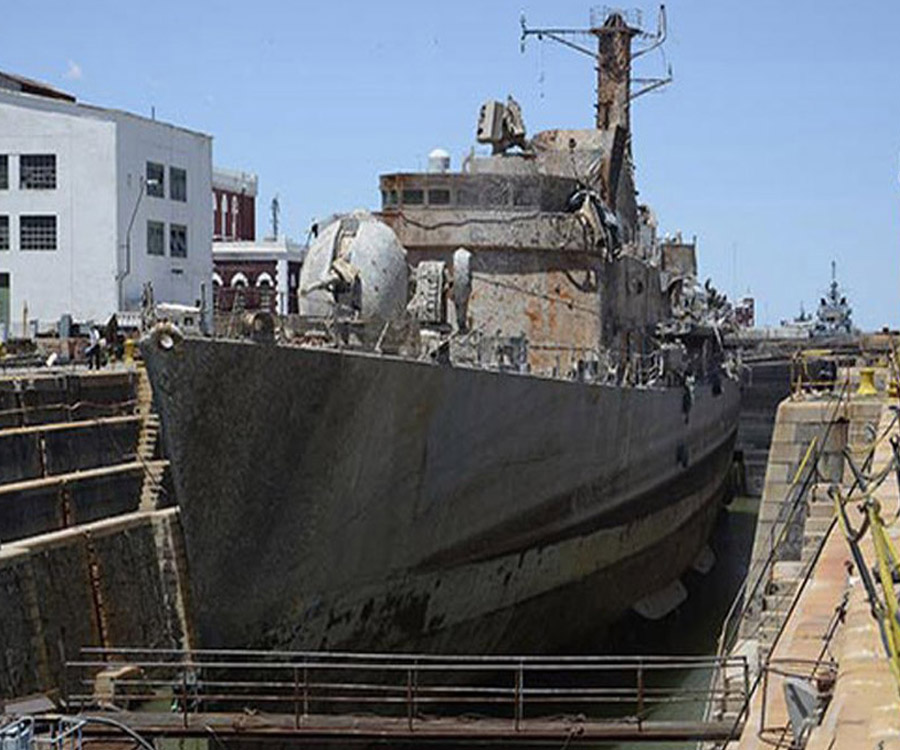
73, 73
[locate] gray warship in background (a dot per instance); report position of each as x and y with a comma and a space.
502, 418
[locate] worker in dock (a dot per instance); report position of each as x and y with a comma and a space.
95, 348
113, 342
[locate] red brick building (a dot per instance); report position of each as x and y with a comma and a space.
249, 274
257, 275
234, 205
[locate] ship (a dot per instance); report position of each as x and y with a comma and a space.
833, 320
834, 316
502, 418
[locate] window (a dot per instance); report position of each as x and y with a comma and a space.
468, 196
177, 184
223, 216
37, 171
4, 233
413, 197
37, 233
4, 172
528, 194
178, 241
156, 238
438, 197
156, 180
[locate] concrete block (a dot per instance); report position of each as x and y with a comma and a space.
817, 526
884, 723
820, 510
788, 452
784, 432
810, 411
769, 511
859, 410
775, 492
787, 570
778, 471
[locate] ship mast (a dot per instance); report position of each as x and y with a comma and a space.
613, 72
612, 59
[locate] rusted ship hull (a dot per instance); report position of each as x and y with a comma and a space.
334, 499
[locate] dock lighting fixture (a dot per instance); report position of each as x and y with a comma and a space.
120, 277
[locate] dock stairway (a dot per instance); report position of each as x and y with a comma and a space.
148, 447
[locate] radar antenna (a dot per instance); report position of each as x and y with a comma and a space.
613, 29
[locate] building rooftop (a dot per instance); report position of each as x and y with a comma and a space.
234, 180
14, 82
265, 249
23, 91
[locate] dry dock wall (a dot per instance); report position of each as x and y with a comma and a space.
764, 385
87, 557
43, 505
798, 424
63, 397
114, 582
830, 621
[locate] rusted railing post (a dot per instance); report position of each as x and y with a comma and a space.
184, 702
296, 698
520, 678
415, 686
746, 697
640, 692
305, 692
409, 714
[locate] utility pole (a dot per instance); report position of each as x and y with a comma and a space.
276, 209
120, 277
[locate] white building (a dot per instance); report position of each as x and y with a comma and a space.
94, 203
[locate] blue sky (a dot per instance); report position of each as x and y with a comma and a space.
777, 144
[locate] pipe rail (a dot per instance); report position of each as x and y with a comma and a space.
303, 689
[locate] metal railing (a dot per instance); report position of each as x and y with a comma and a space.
57, 733
754, 585
414, 688
749, 598
818, 370
802, 482
819, 673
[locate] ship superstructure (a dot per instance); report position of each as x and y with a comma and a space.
834, 314
504, 401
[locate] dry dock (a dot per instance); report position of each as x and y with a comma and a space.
817, 625
90, 545
92, 556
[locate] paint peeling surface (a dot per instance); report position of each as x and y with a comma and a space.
536, 428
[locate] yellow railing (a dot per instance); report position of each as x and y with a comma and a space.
884, 608
886, 555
